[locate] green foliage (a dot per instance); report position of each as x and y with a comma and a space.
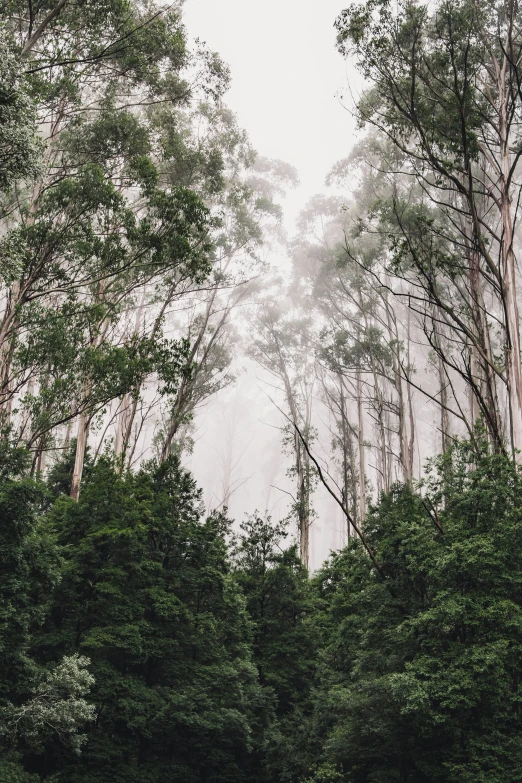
420, 675
200, 670
281, 604
19, 147
147, 594
30, 567
279, 601
57, 706
13, 772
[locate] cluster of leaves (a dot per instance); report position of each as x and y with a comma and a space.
141, 642
117, 157
419, 679
131, 635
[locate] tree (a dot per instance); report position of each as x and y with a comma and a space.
30, 568
420, 674
280, 603
94, 225
35, 702
57, 705
445, 92
148, 595
19, 148
281, 345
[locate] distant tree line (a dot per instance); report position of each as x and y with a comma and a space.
400, 330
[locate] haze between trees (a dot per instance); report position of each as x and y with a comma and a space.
144, 639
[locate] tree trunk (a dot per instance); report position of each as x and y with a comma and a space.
513, 364
509, 291
303, 469
81, 444
362, 461
345, 454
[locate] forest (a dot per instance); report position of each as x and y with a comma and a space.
147, 636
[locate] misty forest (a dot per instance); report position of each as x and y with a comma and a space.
336, 595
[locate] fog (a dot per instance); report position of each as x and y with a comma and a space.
300, 309
291, 91
290, 87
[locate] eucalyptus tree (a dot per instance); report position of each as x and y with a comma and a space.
282, 344
249, 224
420, 267
98, 223
445, 90
364, 345
347, 440
19, 143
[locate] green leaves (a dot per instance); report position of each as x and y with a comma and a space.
146, 593
19, 144
420, 675
57, 705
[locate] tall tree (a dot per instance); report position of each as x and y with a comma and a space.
445, 90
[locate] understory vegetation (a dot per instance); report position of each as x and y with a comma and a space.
142, 641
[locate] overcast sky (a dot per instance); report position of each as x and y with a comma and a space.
286, 79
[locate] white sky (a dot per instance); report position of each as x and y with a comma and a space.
286, 78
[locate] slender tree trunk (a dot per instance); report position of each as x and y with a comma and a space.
129, 402
7, 346
362, 460
403, 428
303, 469
411, 445
513, 364
444, 417
182, 401
509, 291
81, 444
176, 418
345, 452
401, 397
443, 386
483, 391
68, 429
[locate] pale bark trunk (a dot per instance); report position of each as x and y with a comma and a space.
402, 412
444, 417
483, 391
411, 445
304, 507
176, 418
129, 402
182, 397
348, 460
379, 409
403, 430
362, 460
302, 463
509, 292
513, 365
35, 37
81, 444
126, 420
443, 386
6, 355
